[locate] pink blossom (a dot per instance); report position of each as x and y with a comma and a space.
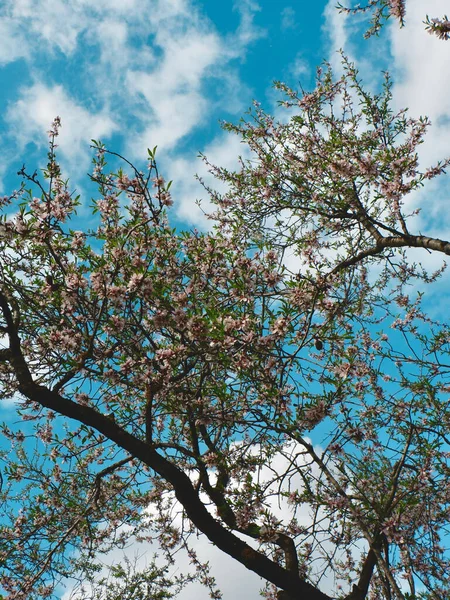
397, 8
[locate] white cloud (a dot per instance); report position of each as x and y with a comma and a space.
58, 24
337, 27
192, 53
155, 71
172, 92
288, 18
112, 36
299, 66
247, 31
55, 22
420, 69
13, 45
233, 579
170, 11
31, 117
224, 151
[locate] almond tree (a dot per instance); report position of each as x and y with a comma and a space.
382, 10
162, 374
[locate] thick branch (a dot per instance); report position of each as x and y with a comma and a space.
360, 590
400, 241
180, 482
417, 241
184, 492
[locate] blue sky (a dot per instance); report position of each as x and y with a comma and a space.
140, 73
164, 72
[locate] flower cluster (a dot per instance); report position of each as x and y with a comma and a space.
199, 377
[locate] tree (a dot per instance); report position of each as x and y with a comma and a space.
382, 10
166, 369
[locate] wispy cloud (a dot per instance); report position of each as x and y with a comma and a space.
337, 28
224, 150
247, 31
288, 18
421, 65
150, 72
31, 115
173, 91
